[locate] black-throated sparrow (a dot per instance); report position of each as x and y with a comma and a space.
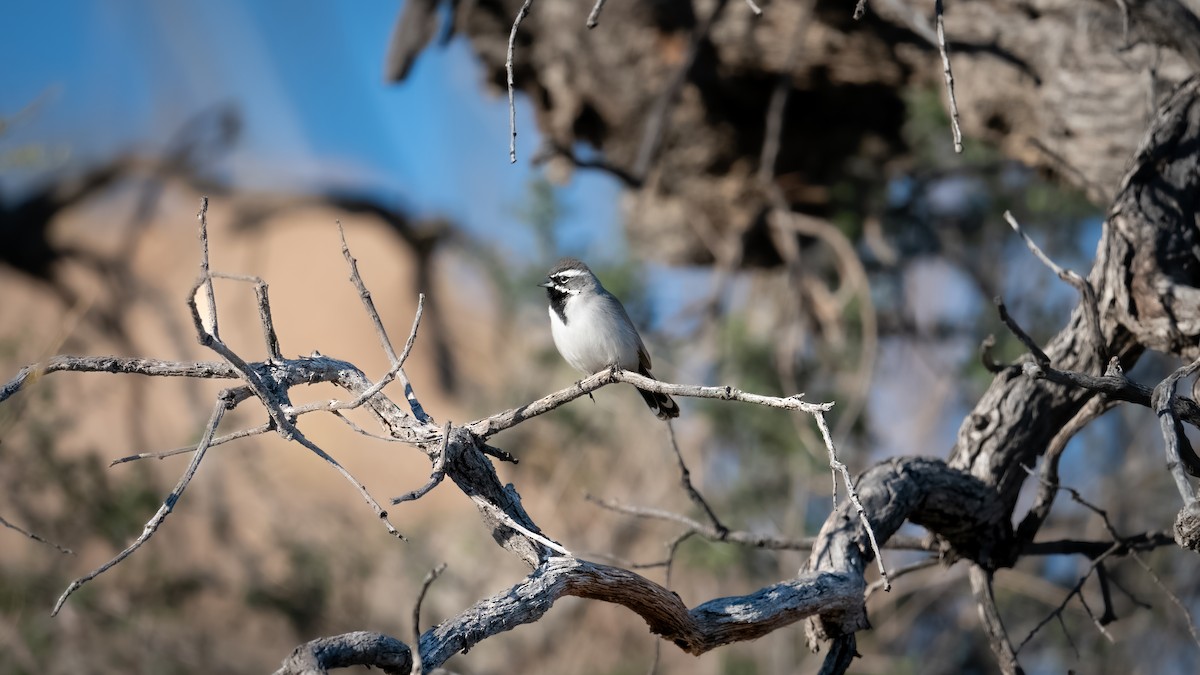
592, 330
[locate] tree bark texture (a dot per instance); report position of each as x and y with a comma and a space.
1065, 86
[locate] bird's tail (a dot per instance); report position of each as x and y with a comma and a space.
663, 405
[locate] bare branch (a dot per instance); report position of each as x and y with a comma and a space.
264, 309
262, 429
362, 489
696, 631
1048, 474
989, 614
953, 103
1038, 355
490, 426
359, 430
416, 613
1183, 609
397, 362
837, 465
986, 357
205, 276
685, 478
360, 648
33, 536
710, 532
116, 364
503, 517
508, 67
896, 573
1172, 430
593, 19
439, 472
165, 510
1087, 294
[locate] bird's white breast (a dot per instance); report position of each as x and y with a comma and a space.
595, 336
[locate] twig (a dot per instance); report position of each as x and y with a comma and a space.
262, 429
900, 572
1062, 623
1114, 385
1038, 355
439, 472
593, 19
116, 364
1087, 609
397, 362
941, 33
1087, 293
416, 650
209, 292
1187, 613
274, 402
362, 489
986, 357
357, 429
490, 426
754, 8
1172, 431
508, 67
1120, 546
1106, 596
709, 532
168, 505
1048, 476
860, 9
34, 537
685, 479
985, 598
836, 465
264, 309
503, 517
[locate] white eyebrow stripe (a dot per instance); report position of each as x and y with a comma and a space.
568, 274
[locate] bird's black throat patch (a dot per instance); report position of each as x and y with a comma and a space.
558, 301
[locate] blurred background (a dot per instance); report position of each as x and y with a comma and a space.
799, 222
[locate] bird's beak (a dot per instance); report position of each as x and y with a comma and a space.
546, 284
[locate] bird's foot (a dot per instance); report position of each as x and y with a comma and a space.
579, 383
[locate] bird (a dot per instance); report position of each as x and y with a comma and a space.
592, 330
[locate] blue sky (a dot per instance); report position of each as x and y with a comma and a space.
307, 78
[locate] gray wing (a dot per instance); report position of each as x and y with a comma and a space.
615, 306
643, 355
